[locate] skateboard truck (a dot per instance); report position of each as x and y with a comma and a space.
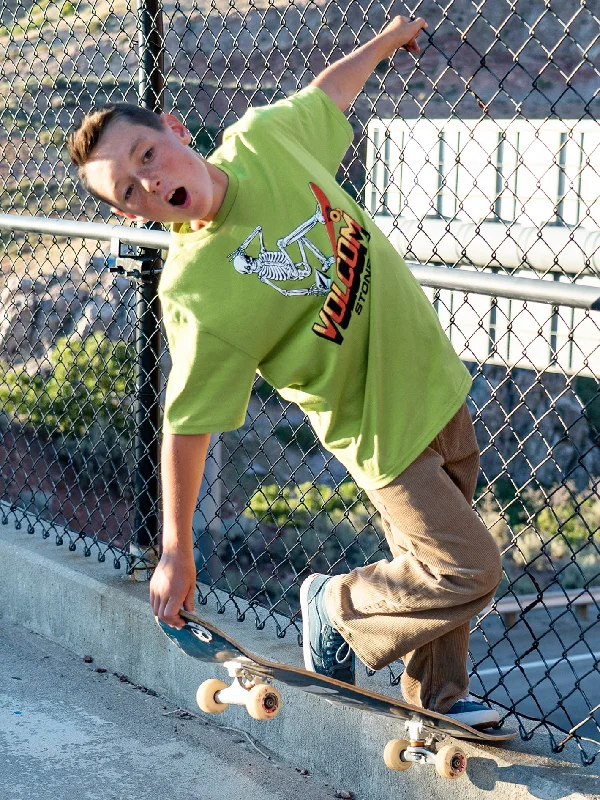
450, 761
262, 701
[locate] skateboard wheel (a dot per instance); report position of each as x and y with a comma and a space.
205, 696
451, 762
264, 702
392, 755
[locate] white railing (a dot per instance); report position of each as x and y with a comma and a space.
497, 195
521, 171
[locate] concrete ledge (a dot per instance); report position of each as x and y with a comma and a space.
91, 608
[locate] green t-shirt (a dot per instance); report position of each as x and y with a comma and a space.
293, 279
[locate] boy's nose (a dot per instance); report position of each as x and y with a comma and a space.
151, 184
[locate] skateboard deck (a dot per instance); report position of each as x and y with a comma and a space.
252, 676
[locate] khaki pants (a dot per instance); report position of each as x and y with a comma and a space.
445, 568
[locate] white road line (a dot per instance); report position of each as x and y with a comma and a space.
534, 664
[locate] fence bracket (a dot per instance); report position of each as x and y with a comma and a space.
119, 249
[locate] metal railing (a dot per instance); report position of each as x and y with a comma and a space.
81, 349
436, 277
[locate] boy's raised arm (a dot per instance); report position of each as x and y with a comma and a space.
343, 80
174, 581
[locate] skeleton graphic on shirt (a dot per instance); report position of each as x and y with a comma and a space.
278, 265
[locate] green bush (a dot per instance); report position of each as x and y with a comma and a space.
299, 505
284, 532
67, 9
552, 539
90, 380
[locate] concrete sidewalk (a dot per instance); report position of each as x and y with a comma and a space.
91, 608
68, 731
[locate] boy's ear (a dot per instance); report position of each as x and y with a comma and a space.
177, 127
120, 213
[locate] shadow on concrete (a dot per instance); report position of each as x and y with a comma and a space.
544, 782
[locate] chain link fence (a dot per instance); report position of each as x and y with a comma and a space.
483, 153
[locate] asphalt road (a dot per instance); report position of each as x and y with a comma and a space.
67, 731
550, 663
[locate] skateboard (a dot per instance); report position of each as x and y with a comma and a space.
252, 687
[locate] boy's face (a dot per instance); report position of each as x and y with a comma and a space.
152, 175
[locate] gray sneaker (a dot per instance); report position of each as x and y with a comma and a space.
324, 648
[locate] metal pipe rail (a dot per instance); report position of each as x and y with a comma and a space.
489, 244
556, 293
141, 237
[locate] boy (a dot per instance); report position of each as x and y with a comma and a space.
273, 267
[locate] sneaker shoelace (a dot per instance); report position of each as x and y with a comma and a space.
343, 653
336, 650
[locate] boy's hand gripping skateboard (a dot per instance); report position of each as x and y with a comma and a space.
251, 687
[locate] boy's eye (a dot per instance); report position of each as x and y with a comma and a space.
128, 192
148, 154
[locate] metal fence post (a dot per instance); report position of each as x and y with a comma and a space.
148, 336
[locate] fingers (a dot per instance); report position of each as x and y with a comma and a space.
168, 612
188, 603
171, 614
407, 32
416, 26
166, 609
172, 586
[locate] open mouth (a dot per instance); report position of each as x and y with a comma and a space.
178, 197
